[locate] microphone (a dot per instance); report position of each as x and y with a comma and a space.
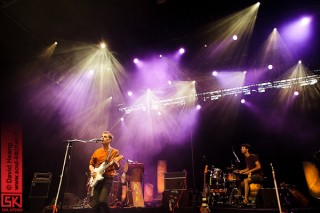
235, 156
96, 140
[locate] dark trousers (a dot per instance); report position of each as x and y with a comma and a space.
100, 195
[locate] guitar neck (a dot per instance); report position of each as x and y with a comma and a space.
204, 189
205, 181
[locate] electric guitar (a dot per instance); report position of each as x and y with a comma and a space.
204, 205
100, 170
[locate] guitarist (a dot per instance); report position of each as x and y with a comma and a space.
103, 187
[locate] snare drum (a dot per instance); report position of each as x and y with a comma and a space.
231, 177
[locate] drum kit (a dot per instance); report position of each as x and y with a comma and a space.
224, 187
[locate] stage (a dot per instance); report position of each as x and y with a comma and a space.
185, 210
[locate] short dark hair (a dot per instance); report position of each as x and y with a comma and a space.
248, 146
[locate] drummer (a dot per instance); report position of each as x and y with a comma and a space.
253, 170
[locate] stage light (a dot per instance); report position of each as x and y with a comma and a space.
182, 50
244, 72
296, 93
129, 93
235, 37
299, 62
121, 119
270, 67
135, 60
305, 21
214, 73
102, 45
55, 43
91, 71
243, 101
169, 82
298, 32
198, 107
159, 113
274, 29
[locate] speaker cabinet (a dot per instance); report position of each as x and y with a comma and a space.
40, 185
266, 198
39, 191
175, 181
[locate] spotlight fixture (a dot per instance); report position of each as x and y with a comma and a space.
235, 37
102, 45
305, 20
135, 60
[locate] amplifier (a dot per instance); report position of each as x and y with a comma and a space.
40, 185
266, 198
175, 181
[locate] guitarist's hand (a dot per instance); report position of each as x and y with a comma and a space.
93, 174
117, 159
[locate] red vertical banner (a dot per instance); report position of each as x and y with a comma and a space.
137, 194
11, 168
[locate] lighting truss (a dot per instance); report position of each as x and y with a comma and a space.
217, 94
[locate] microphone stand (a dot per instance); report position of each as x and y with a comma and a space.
69, 145
236, 157
275, 185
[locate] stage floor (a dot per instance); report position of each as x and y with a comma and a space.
185, 210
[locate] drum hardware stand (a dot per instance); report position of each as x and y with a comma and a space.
235, 194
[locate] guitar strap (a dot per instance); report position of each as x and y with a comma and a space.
107, 160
